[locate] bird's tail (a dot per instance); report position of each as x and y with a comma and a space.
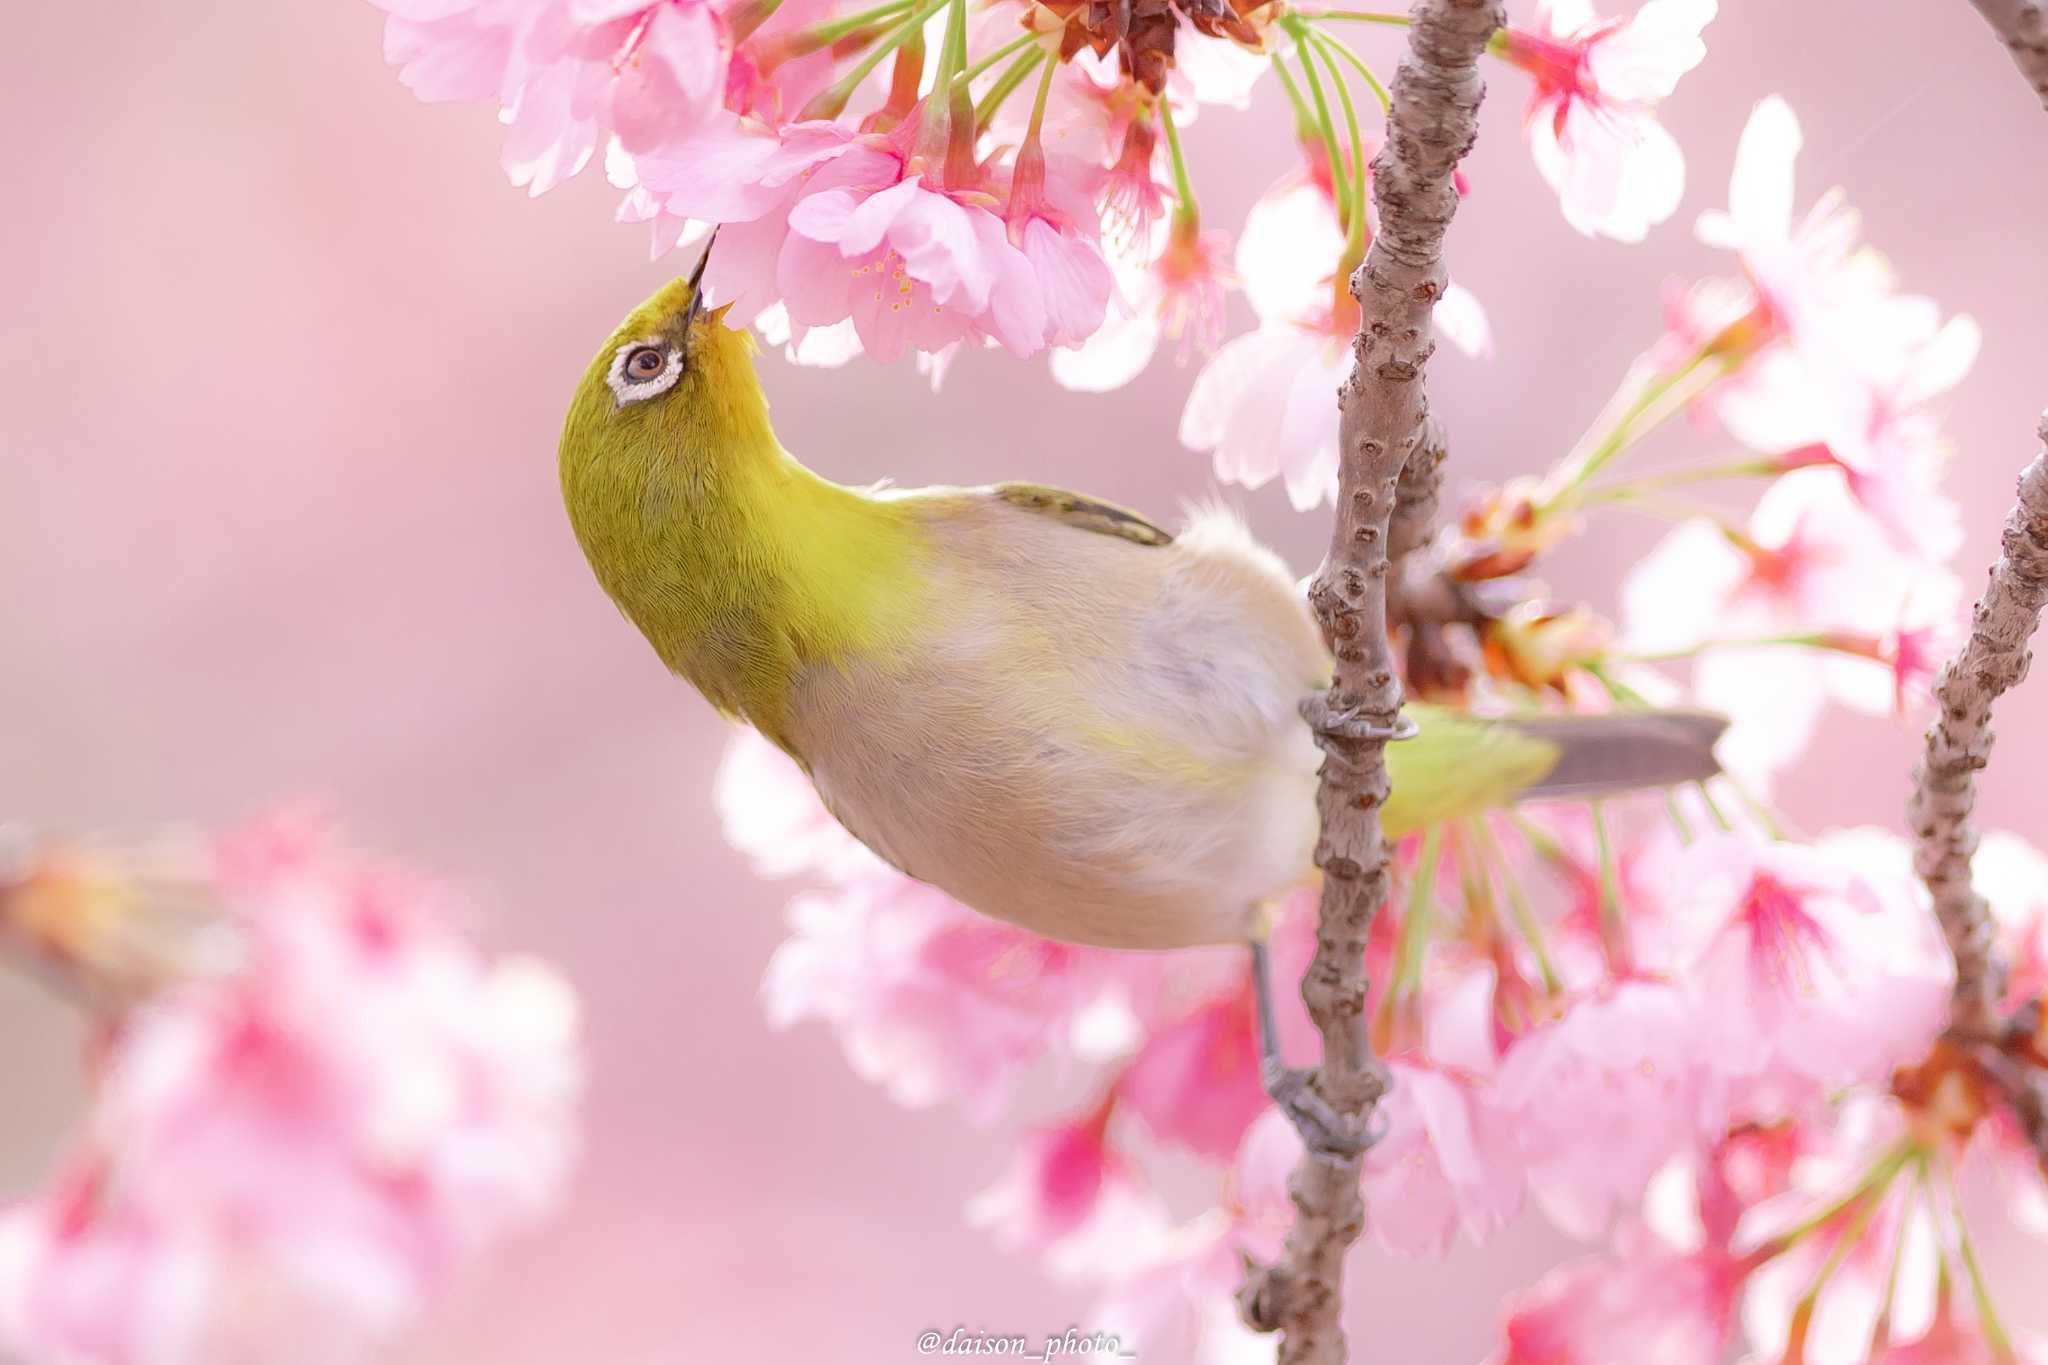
1623, 751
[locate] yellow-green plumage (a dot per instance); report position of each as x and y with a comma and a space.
739, 565
1043, 704
1456, 766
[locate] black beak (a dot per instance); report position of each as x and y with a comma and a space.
696, 283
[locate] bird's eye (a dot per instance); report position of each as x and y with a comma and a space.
646, 362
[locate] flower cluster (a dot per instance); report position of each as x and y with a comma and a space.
1670, 1028
1646, 1029
1837, 586
919, 175
287, 1152
936, 1002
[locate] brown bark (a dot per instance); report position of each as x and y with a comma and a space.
1415, 501
2023, 26
1991, 662
1384, 424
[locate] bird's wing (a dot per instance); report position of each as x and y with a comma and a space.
1087, 514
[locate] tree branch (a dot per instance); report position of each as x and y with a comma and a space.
2023, 26
1991, 662
1383, 425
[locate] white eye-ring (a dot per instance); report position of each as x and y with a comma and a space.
642, 370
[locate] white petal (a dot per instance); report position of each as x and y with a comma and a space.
1118, 352
1760, 190
1461, 320
1288, 252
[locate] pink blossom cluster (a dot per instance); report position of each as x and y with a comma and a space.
1837, 585
1667, 1028
1264, 403
1675, 1032
913, 178
286, 1160
1654, 1031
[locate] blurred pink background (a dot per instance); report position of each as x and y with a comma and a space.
282, 363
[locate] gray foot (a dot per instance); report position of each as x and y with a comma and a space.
1322, 1129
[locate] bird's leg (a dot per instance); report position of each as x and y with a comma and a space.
1321, 1128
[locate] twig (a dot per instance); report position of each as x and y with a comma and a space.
2024, 1090
2023, 26
1991, 662
1415, 502
1383, 424
1424, 602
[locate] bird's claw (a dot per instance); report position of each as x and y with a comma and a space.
1322, 1129
1350, 724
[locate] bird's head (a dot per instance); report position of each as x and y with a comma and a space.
672, 386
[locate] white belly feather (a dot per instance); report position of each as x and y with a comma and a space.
1091, 738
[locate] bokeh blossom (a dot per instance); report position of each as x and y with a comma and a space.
305, 1145
1624, 1062
934, 1000
1818, 966
1264, 403
1822, 361
1591, 120
1647, 1303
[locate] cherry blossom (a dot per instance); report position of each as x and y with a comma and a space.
1953, 1340
749, 181
2012, 875
934, 1001
1809, 559
1591, 940
1906, 657
913, 266
1591, 120
1256, 1198
1871, 417
772, 814
1648, 1302
1171, 1297
1823, 362
1811, 564
326, 1133
1795, 271
1133, 200
123, 1289
1447, 1161
1177, 296
1063, 1176
1262, 403
1866, 1239
839, 228
1819, 967
1603, 1096
1196, 1080
1856, 392
568, 74
1053, 223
